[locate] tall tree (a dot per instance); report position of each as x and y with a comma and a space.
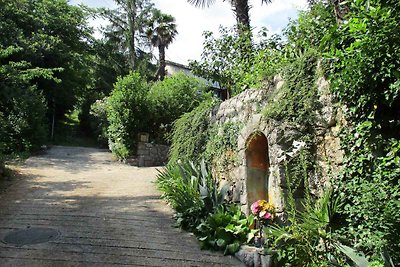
161, 32
45, 64
126, 22
240, 8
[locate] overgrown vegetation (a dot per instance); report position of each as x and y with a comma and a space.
357, 52
190, 133
235, 65
52, 68
172, 97
136, 106
127, 114
365, 78
198, 199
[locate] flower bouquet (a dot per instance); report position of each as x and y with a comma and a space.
264, 213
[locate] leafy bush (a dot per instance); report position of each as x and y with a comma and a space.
98, 120
233, 63
365, 78
127, 114
307, 240
225, 229
199, 203
22, 118
172, 97
297, 100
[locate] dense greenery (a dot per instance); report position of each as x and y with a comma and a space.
357, 52
225, 61
44, 56
198, 200
127, 114
52, 67
225, 229
134, 106
22, 107
172, 97
360, 59
190, 133
365, 78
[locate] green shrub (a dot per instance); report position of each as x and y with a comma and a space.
127, 114
22, 119
171, 98
297, 100
191, 190
307, 239
365, 78
98, 120
225, 229
235, 64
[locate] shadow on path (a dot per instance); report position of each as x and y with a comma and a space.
108, 214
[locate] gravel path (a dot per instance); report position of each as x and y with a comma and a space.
106, 213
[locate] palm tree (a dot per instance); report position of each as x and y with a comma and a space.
161, 32
240, 8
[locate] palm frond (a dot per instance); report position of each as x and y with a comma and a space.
201, 3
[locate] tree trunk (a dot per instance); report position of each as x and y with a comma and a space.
161, 70
241, 9
340, 10
131, 11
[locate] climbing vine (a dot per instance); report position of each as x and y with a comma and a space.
222, 146
365, 78
190, 133
195, 137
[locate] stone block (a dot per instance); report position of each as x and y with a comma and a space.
236, 192
252, 256
243, 199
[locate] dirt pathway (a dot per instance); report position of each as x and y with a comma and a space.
104, 213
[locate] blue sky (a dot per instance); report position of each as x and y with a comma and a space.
192, 21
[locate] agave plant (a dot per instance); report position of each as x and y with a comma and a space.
191, 190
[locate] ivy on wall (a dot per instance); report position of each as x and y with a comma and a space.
222, 146
194, 137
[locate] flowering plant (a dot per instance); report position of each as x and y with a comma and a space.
263, 210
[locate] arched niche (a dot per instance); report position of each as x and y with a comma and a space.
257, 165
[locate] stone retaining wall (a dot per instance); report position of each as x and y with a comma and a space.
149, 155
246, 109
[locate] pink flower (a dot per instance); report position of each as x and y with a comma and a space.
255, 208
267, 216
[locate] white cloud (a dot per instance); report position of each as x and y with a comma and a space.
192, 21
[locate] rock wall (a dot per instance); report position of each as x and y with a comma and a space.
151, 154
246, 108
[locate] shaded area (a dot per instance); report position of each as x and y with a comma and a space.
257, 167
31, 235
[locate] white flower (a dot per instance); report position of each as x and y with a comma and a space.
299, 144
